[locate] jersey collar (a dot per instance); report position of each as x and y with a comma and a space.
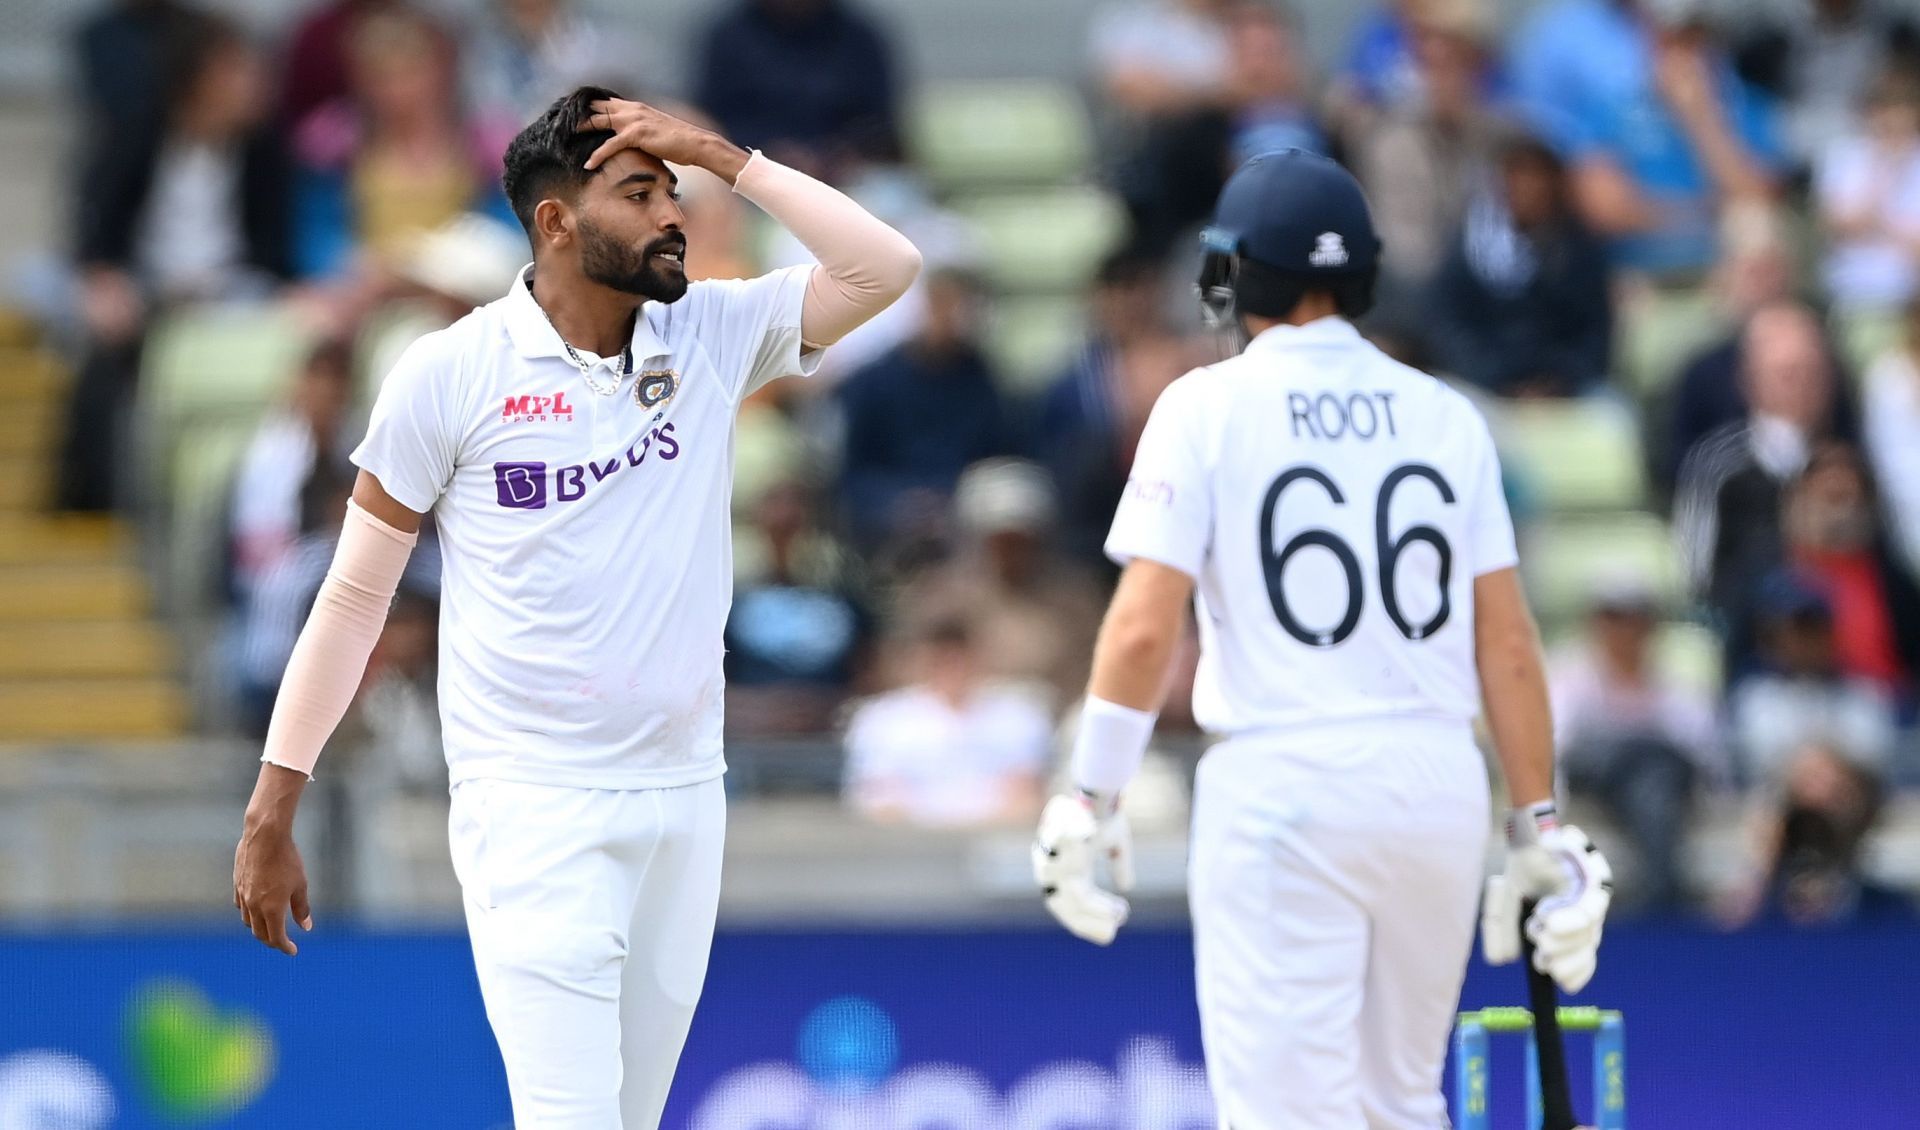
534, 336
1330, 330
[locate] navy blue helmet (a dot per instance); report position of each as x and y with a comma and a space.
1287, 222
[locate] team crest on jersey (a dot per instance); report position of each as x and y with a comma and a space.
655, 387
1329, 250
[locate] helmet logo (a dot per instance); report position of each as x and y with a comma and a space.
1329, 250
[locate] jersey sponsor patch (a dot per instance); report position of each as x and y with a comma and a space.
529, 485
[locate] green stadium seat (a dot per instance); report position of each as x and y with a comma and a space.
1046, 240
1565, 560
1864, 337
1033, 339
221, 362
1691, 657
1576, 455
986, 133
1658, 335
206, 378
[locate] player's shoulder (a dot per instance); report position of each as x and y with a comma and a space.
711, 299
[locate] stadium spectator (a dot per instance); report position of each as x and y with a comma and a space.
1661, 134
797, 637
1891, 426
122, 58
1171, 178
1756, 271
1034, 615
1816, 744
518, 52
392, 160
950, 749
191, 210
1628, 737
812, 82
1818, 58
1382, 67
1159, 59
317, 68
1078, 426
308, 431
1834, 544
1141, 369
1521, 305
276, 605
917, 416
1727, 513
1422, 158
1867, 184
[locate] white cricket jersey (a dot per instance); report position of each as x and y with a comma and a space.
1334, 507
588, 557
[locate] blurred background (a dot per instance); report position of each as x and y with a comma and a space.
1673, 247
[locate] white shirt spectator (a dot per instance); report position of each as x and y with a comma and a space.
1172, 42
1891, 420
190, 243
1857, 177
1587, 705
913, 754
1775, 718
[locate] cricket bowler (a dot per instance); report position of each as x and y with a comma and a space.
574, 443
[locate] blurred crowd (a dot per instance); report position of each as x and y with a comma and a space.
918, 566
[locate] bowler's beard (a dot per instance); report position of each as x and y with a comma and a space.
628, 269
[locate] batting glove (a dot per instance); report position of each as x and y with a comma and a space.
1571, 885
1075, 832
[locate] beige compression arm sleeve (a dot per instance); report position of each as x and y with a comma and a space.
331, 657
864, 264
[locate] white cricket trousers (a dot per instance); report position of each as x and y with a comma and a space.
1334, 884
591, 915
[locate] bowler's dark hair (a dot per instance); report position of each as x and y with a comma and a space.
549, 157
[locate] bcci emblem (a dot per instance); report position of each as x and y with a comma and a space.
655, 387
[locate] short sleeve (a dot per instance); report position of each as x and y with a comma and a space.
1166, 511
1489, 524
410, 443
751, 328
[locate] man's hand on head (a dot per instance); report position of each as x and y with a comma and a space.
636, 125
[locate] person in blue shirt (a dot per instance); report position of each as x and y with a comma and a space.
1662, 136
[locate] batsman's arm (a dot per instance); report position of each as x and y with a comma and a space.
1131, 663
322, 675
1513, 687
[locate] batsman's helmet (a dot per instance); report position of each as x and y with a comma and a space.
1288, 222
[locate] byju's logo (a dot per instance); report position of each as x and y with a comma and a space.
524, 486
521, 486
536, 409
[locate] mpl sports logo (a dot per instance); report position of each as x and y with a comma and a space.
537, 409
530, 485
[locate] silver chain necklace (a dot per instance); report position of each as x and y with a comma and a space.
586, 369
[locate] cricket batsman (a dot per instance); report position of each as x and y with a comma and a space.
1336, 521
574, 442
